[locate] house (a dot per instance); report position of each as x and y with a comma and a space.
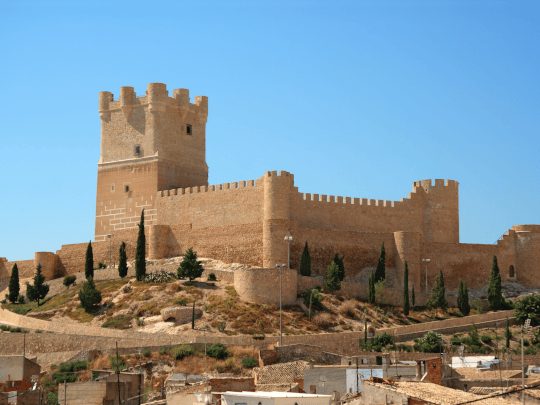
282, 374
18, 375
379, 391
273, 398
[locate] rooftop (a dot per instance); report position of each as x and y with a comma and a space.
272, 394
472, 373
282, 373
437, 394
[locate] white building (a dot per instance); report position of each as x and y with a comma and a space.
272, 398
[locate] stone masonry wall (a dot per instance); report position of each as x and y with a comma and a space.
262, 285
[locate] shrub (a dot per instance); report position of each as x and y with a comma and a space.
117, 364
89, 295
217, 351
475, 337
164, 350
221, 326
456, 341
160, 276
179, 352
182, 302
528, 307
332, 279
212, 277
383, 339
59, 377
20, 299
146, 353
73, 366
102, 265
52, 398
431, 342
227, 367
348, 308
68, 280
249, 362
486, 339
38, 331
324, 320
54, 366
315, 296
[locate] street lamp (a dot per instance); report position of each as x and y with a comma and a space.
110, 243
288, 239
426, 261
280, 314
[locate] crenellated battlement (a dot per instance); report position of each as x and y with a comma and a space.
156, 99
207, 189
440, 184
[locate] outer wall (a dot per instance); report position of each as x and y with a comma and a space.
262, 285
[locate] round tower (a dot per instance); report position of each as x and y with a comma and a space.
276, 216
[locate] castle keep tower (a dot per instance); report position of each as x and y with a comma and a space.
148, 144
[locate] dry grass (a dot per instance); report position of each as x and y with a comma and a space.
243, 351
323, 320
349, 308
100, 362
174, 287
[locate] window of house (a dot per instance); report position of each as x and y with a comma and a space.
137, 150
127, 189
189, 129
511, 271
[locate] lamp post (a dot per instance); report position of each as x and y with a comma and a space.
110, 243
288, 239
426, 261
280, 314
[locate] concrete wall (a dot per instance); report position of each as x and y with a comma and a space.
326, 380
92, 392
18, 368
377, 395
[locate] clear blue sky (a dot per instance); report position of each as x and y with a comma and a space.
355, 98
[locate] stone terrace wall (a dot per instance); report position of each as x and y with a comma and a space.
262, 285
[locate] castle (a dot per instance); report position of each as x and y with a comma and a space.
153, 157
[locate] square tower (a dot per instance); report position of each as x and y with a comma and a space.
148, 144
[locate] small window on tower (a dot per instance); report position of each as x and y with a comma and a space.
127, 189
137, 150
188, 129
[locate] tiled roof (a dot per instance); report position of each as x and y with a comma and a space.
472, 373
437, 394
485, 390
282, 373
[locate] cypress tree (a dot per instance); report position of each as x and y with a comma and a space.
406, 290
140, 255
14, 286
39, 290
463, 299
507, 333
380, 272
122, 261
494, 292
340, 265
89, 262
371, 288
413, 297
193, 317
305, 262
332, 280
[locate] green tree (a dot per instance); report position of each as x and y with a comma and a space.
305, 262
380, 271
190, 267
413, 298
463, 299
122, 261
507, 333
332, 280
437, 298
431, 342
341, 266
371, 288
89, 262
406, 290
494, 292
475, 337
528, 307
140, 255
89, 295
39, 290
14, 286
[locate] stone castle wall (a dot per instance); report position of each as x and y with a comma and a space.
262, 285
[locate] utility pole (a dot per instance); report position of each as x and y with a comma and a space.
118, 374
65, 392
110, 246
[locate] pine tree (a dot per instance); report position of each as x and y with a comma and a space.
380, 272
190, 267
494, 292
413, 297
39, 290
406, 290
437, 299
89, 262
341, 266
140, 255
332, 280
305, 262
14, 286
507, 333
89, 295
122, 261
